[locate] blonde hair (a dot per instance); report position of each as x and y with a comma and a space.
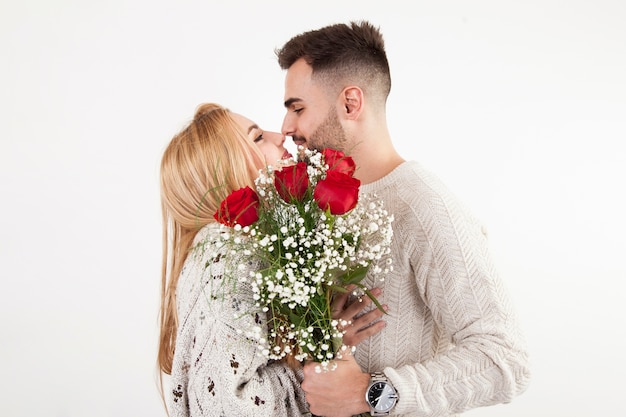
202, 164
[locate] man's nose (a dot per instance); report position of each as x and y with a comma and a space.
288, 128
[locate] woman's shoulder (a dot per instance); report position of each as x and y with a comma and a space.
207, 244
211, 231
212, 266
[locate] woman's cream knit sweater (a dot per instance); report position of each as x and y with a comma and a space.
217, 371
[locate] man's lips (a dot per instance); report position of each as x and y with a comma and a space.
298, 140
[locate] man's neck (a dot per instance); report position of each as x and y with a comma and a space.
374, 166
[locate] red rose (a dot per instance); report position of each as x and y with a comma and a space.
292, 182
338, 161
240, 207
338, 192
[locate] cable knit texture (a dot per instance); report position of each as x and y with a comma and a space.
217, 371
451, 342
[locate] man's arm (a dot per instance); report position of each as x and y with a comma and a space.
339, 392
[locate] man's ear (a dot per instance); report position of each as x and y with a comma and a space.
353, 102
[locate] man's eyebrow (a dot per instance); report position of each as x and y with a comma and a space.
289, 102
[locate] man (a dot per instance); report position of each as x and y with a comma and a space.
451, 342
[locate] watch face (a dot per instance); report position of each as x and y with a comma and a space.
381, 396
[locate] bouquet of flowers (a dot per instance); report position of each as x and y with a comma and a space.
314, 236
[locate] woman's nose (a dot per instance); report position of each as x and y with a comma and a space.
275, 137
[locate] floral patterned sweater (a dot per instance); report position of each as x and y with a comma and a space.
217, 371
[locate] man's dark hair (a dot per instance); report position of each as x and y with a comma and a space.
342, 54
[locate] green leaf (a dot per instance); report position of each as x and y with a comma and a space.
371, 296
295, 319
354, 275
338, 288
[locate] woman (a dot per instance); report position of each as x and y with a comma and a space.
215, 370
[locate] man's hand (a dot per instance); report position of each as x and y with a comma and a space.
336, 393
357, 326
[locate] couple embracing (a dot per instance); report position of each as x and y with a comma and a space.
240, 334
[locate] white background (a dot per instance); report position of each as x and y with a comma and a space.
520, 106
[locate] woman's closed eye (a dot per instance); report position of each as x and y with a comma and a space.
258, 136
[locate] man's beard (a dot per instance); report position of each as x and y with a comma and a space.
329, 134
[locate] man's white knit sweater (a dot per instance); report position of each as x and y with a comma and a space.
451, 342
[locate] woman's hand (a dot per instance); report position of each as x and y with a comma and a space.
356, 324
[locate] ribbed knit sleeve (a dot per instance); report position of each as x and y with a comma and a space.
217, 371
452, 342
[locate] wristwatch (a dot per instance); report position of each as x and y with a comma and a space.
380, 395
